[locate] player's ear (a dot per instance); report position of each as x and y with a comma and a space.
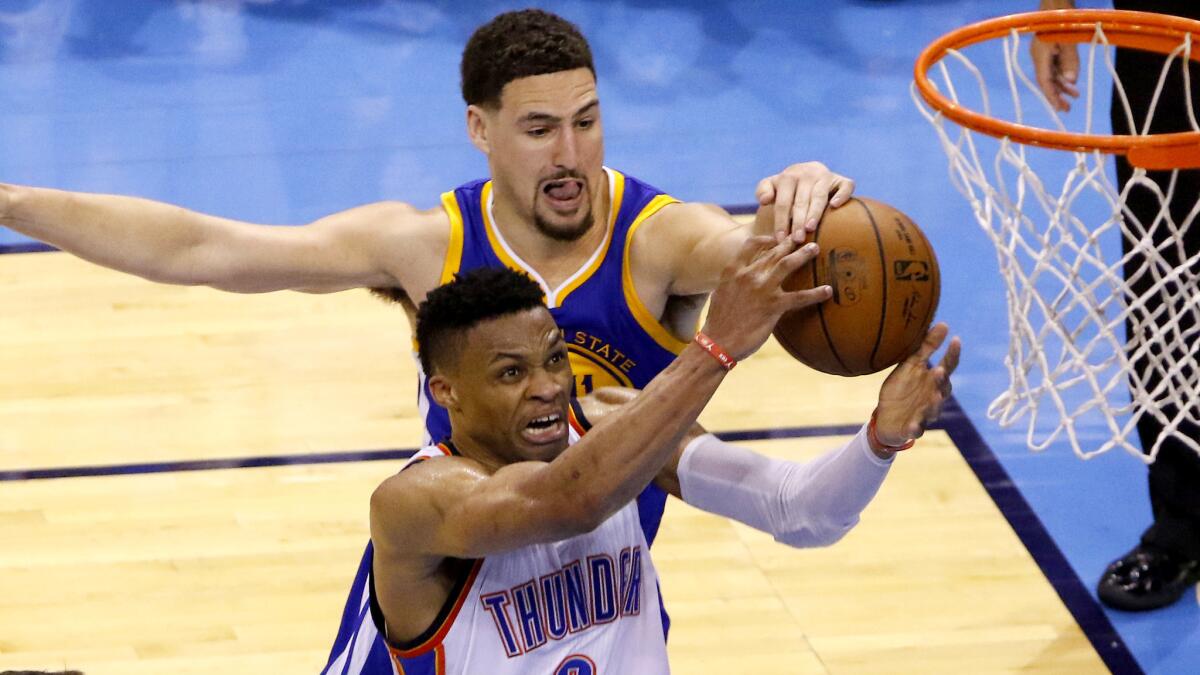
443, 392
477, 128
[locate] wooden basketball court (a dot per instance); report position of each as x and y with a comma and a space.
244, 570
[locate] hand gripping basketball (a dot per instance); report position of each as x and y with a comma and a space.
750, 298
911, 397
885, 283
799, 195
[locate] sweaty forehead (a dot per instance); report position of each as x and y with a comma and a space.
560, 94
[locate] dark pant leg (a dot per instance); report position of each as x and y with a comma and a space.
1175, 476
1175, 498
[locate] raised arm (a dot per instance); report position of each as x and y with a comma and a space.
452, 508
682, 249
170, 244
812, 503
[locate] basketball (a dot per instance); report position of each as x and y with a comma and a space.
885, 284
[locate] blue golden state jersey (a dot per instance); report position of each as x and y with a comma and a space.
614, 341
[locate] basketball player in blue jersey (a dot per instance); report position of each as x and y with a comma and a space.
514, 545
625, 269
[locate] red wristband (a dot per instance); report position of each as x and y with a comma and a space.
873, 438
727, 362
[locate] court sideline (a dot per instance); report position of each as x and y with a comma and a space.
207, 104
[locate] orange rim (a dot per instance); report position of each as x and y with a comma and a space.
1146, 31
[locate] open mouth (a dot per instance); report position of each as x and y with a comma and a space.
545, 429
565, 194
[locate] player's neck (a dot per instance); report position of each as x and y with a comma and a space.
471, 449
553, 259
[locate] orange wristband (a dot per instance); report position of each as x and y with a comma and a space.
873, 438
727, 362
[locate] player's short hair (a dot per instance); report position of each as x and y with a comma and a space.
519, 44
471, 298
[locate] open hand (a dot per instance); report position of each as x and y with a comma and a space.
911, 397
750, 298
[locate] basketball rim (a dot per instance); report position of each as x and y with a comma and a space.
1146, 31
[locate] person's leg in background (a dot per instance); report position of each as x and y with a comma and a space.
1166, 562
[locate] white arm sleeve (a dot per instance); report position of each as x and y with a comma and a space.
802, 505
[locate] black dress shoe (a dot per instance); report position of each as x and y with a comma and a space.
1147, 578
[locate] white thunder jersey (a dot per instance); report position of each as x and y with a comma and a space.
579, 606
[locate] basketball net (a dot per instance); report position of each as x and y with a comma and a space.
1057, 219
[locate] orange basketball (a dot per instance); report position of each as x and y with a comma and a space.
885, 283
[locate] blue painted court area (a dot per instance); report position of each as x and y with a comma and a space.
281, 112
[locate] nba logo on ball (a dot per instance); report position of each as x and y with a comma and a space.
911, 270
885, 283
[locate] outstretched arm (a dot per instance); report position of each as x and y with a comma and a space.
682, 249
459, 510
801, 504
813, 503
170, 244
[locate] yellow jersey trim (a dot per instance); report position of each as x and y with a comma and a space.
454, 251
614, 208
643, 316
485, 195
554, 296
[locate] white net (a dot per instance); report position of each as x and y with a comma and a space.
1081, 267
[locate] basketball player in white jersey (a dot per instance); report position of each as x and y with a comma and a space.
552, 208
515, 547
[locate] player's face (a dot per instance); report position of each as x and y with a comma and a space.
546, 150
512, 384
